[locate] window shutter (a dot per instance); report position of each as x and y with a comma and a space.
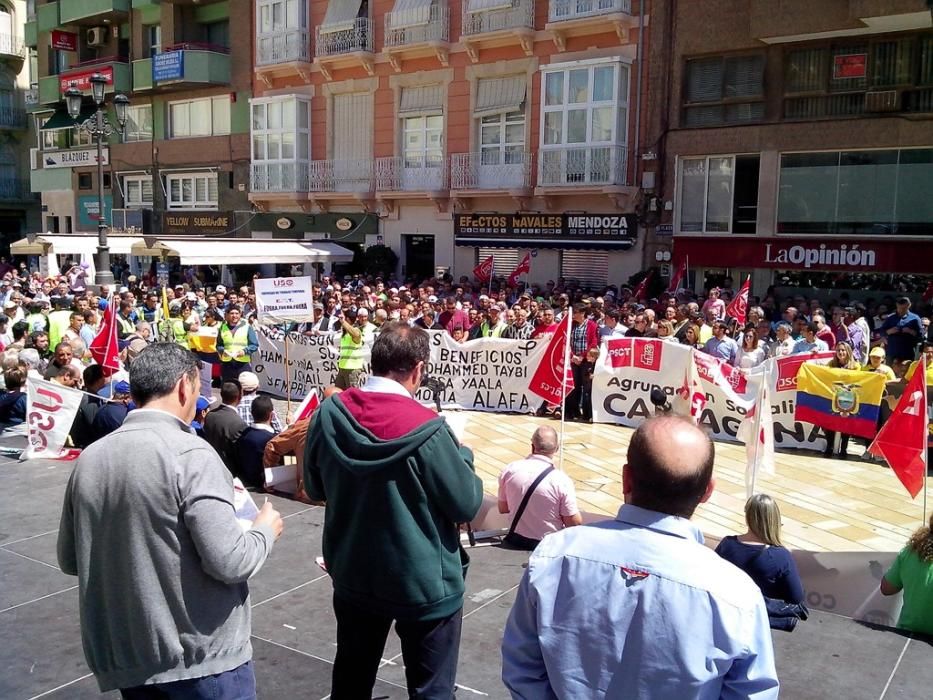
744, 76
422, 100
704, 80
589, 267
504, 260
498, 95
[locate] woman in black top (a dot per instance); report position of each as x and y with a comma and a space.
759, 553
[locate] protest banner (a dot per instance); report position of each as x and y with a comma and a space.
489, 374
281, 299
50, 412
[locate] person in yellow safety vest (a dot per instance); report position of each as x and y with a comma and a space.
352, 353
59, 320
126, 326
236, 342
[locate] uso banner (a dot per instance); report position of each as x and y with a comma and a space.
50, 411
283, 299
489, 374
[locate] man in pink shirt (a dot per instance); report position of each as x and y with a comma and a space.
552, 505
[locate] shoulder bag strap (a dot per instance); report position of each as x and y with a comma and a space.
527, 497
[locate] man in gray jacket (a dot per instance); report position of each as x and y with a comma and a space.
148, 526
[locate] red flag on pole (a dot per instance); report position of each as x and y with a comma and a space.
524, 267
641, 291
104, 348
738, 307
679, 277
553, 375
483, 271
902, 440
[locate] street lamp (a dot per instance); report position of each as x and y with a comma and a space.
98, 127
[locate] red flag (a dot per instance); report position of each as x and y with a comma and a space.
678, 278
902, 440
308, 406
738, 307
641, 291
483, 271
103, 347
553, 374
524, 267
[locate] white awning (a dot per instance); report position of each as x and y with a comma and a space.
425, 99
474, 6
76, 244
498, 95
410, 13
340, 16
245, 251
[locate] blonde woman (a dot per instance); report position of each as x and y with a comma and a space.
843, 358
760, 554
666, 331
912, 572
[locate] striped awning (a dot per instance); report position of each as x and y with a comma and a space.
410, 13
474, 6
498, 95
340, 16
424, 99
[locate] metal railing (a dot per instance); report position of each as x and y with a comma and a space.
412, 173
357, 38
581, 165
283, 47
355, 175
490, 170
11, 45
12, 118
560, 10
14, 188
407, 27
520, 13
279, 177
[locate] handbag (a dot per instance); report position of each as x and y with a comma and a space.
513, 538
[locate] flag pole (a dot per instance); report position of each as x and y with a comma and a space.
757, 435
563, 393
492, 272
288, 384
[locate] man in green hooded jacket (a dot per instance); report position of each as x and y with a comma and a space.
397, 483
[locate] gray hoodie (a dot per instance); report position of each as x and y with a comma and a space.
148, 526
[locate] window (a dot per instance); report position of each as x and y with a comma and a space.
84, 181
423, 141
281, 31
138, 123
191, 191
502, 139
280, 143
724, 90
53, 139
152, 34
585, 124
217, 34
856, 192
205, 117
137, 191
279, 15
853, 79
719, 194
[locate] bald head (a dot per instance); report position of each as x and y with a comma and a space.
670, 466
544, 441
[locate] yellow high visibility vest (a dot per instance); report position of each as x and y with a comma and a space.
351, 354
234, 341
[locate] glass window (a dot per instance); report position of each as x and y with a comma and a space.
423, 141
137, 191
280, 130
209, 116
192, 191
138, 123
719, 194
502, 138
722, 90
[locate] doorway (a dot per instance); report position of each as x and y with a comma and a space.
419, 257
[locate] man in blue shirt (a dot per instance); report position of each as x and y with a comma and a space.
638, 607
901, 331
721, 345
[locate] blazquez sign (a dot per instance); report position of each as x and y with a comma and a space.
822, 256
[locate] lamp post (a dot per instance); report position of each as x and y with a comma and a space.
99, 128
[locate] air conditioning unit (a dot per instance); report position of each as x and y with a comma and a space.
883, 101
96, 36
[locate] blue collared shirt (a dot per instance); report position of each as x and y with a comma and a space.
724, 348
636, 607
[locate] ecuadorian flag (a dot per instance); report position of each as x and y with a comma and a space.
843, 400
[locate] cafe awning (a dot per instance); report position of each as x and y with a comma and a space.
242, 251
72, 244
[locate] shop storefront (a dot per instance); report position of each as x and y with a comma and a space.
594, 248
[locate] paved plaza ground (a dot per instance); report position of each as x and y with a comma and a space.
828, 506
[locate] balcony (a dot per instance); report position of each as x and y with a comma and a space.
350, 45
47, 17
417, 33
283, 54
116, 70
348, 181
491, 172
12, 48
493, 23
15, 189
572, 18
585, 170
272, 184
192, 65
417, 177
90, 12
13, 118
795, 20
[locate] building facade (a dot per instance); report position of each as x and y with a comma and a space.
181, 165
19, 208
462, 128
794, 141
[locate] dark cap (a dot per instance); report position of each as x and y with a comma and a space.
902, 300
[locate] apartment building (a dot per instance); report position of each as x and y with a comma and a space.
181, 165
458, 128
795, 140
19, 208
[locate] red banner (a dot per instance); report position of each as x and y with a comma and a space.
552, 375
82, 78
483, 271
64, 41
738, 307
